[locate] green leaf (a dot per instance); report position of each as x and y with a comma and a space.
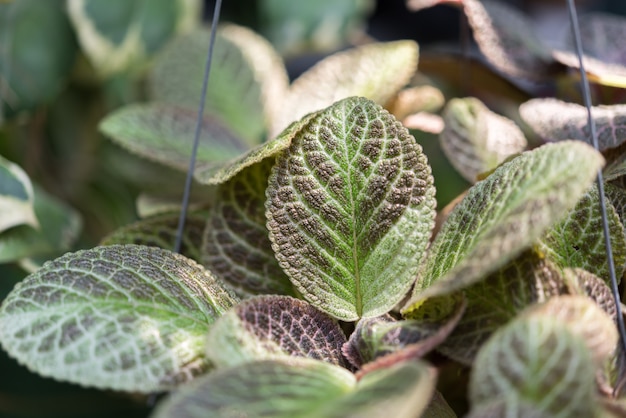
118, 317
554, 120
269, 327
617, 196
577, 240
247, 84
236, 246
507, 39
376, 71
493, 302
504, 214
350, 209
535, 363
16, 197
160, 231
37, 51
165, 134
58, 229
119, 36
438, 408
477, 140
303, 388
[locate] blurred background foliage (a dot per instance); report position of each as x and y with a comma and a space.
65, 64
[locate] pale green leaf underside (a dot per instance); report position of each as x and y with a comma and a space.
475, 139
268, 327
493, 302
578, 239
303, 388
350, 210
235, 245
16, 197
160, 231
248, 79
116, 317
555, 120
504, 214
165, 134
376, 71
535, 361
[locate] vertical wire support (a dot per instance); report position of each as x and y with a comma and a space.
599, 180
192, 161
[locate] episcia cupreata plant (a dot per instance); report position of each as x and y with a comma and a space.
331, 222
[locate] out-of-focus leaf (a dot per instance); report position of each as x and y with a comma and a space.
165, 134
582, 282
504, 214
119, 36
534, 364
376, 71
37, 50
493, 302
554, 120
321, 25
507, 39
16, 197
438, 408
350, 209
58, 229
476, 140
615, 163
416, 99
577, 240
160, 231
236, 246
122, 317
267, 327
247, 84
617, 196
303, 388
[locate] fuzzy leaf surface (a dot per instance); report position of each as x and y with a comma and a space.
438, 408
165, 134
302, 388
577, 240
617, 196
491, 303
272, 326
236, 246
120, 317
350, 209
16, 197
376, 71
506, 38
539, 362
582, 282
160, 231
476, 140
555, 120
504, 214
246, 87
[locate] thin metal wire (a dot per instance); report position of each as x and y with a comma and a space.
599, 180
192, 162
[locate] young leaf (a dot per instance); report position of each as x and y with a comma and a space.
118, 36
554, 120
476, 140
267, 327
376, 71
165, 133
303, 388
415, 99
160, 231
247, 85
506, 37
537, 363
493, 302
350, 209
235, 246
16, 197
504, 214
577, 240
122, 317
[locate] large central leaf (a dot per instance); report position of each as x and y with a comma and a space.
350, 209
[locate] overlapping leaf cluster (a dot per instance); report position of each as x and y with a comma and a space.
322, 217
